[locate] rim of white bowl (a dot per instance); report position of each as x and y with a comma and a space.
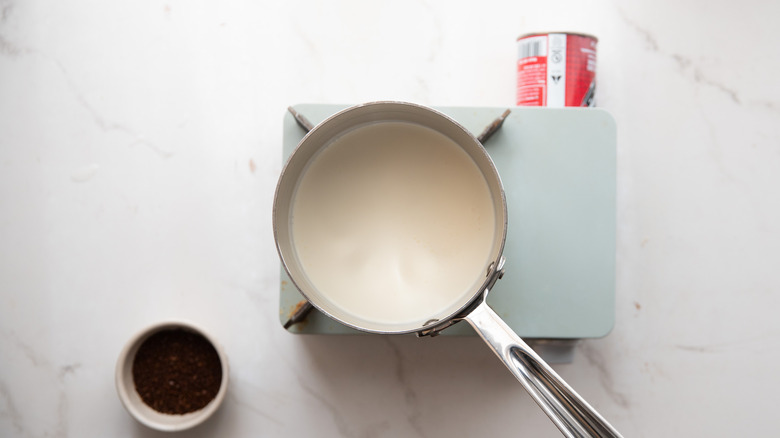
142, 412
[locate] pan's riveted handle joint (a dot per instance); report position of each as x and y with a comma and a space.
436, 329
495, 272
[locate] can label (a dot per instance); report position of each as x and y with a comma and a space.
556, 70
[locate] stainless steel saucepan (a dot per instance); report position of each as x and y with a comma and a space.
570, 412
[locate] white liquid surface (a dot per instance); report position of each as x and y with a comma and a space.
393, 223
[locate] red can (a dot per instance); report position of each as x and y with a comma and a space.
556, 69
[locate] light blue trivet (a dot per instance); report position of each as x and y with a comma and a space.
558, 169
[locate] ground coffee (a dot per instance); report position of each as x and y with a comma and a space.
177, 371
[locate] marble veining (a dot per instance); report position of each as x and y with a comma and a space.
36, 360
9, 413
339, 418
410, 396
684, 63
11, 49
139, 152
107, 125
596, 359
248, 405
8, 48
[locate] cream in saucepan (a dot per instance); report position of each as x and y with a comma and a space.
393, 222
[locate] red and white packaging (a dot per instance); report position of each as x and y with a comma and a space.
556, 69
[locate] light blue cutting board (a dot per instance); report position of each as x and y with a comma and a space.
558, 169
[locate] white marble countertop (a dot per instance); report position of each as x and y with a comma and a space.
139, 150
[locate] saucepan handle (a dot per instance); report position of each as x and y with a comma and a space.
570, 412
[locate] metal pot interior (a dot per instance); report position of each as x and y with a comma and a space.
318, 139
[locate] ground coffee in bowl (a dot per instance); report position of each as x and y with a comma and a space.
177, 371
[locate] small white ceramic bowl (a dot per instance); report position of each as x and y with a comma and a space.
125, 385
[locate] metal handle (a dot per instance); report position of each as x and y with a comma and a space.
570, 412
